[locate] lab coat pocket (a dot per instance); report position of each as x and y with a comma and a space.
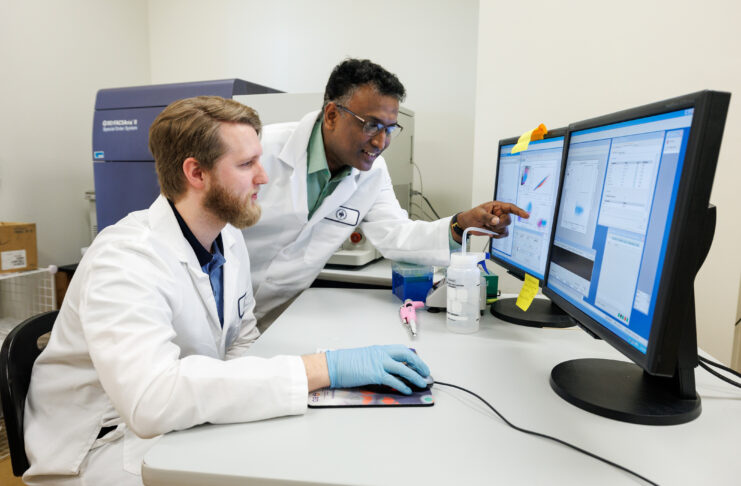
134, 450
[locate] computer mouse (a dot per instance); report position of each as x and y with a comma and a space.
388, 389
414, 387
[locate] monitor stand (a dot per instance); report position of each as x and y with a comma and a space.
541, 313
624, 391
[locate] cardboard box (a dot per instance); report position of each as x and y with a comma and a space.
17, 247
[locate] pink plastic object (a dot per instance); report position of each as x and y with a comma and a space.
409, 315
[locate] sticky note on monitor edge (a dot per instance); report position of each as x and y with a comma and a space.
527, 137
528, 292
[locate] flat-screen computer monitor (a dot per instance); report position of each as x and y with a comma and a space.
633, 227
530, 179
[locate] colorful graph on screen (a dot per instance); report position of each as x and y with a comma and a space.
528, 208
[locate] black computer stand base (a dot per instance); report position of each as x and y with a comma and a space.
541, 313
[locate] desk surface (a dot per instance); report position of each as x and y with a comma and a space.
458, 440
375, 273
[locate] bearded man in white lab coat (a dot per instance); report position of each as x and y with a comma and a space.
152, 334
327, 177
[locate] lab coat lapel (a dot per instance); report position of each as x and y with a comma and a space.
294, 156
163, 222
203, 286
231, 285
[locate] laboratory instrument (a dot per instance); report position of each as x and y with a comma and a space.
123, 167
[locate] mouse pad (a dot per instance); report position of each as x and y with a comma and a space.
369, 396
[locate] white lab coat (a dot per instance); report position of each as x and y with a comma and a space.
288, 250
138, 343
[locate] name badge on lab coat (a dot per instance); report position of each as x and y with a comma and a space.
344, 215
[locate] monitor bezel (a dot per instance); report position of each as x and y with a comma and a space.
513, 269
683, 243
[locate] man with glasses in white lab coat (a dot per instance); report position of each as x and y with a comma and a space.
327, 177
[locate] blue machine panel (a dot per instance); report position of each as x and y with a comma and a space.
123, 135
125, 179
126, 187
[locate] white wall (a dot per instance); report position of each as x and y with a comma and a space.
54, 56
293, 46
559, 62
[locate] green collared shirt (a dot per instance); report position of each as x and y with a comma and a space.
319, 181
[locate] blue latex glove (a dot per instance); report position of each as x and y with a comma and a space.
376, 365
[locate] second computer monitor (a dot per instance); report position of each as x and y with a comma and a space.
633, 227
530, 179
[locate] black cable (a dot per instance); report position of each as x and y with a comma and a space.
713, 372
718, 365
538, 434
421, 185
704, 364
417, 193
430, 205
423, 212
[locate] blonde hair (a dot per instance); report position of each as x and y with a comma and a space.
190, 128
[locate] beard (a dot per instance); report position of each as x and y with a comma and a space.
239, 212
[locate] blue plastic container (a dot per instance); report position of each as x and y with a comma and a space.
410, 281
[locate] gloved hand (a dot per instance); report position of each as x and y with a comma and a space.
376, 365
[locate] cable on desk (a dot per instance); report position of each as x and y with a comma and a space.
538, 434
704, 362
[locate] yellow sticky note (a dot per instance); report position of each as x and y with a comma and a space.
527, 292
527, 137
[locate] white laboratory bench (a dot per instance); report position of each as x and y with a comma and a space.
376, 273
458, 440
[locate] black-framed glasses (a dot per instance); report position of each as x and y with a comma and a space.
371, 128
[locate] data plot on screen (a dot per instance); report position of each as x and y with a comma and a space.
528, 248
579, 184
507, 192
621, 261
536, 194
630, 182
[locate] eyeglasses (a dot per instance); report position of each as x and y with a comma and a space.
371, 128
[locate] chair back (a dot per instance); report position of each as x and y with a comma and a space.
17, 355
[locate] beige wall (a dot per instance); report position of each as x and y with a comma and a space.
292, 45
54, 56
456, 59
558, 62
